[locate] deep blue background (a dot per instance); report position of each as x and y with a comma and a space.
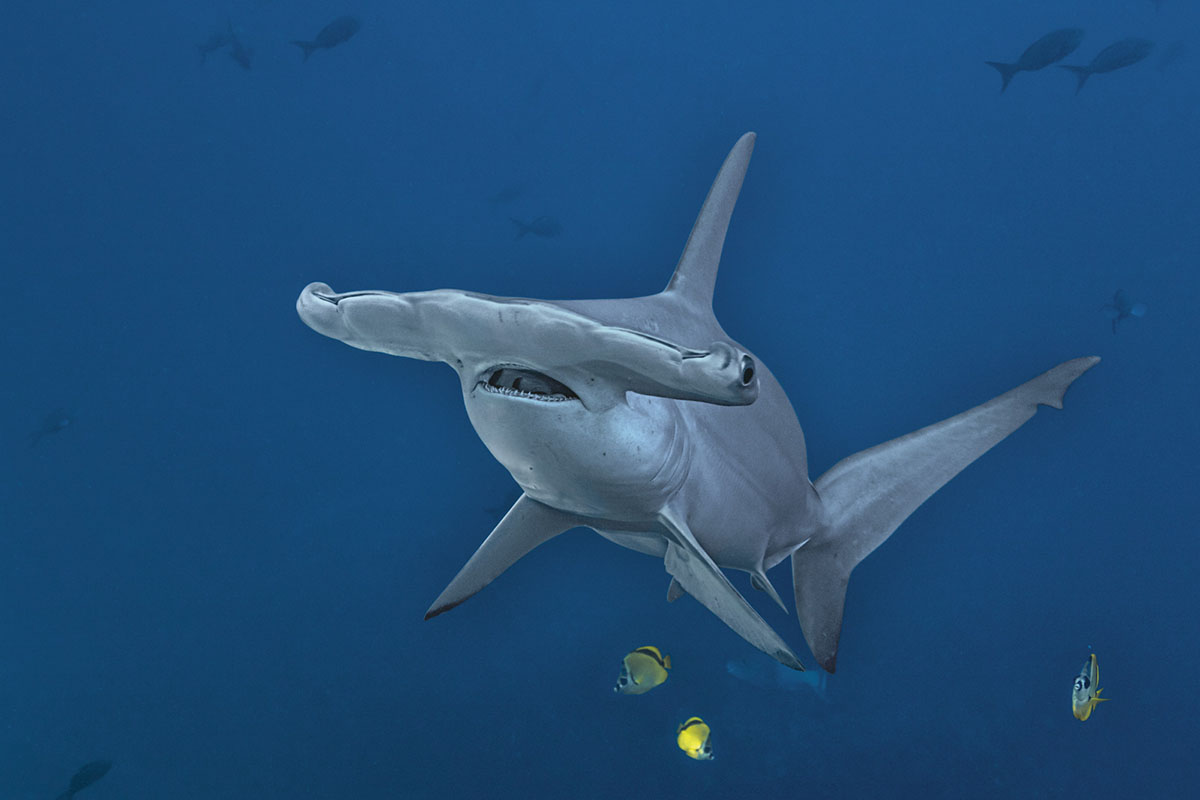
216, 576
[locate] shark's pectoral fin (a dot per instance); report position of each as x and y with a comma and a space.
674, 591
760, 581
868, 495
702, 579
526, 525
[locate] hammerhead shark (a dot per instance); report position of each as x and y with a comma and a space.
643, 420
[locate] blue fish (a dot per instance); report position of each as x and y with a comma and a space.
1123, 307
1117, 55
56, 421
333, 34
85, 776
1054, 46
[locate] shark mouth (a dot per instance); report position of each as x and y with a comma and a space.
527, 384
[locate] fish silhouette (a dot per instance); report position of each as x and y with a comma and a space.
333, 34
55, 422
546, 227
238, 50
1123, 307
1117, 55
85, 776
1054, 46
215, 42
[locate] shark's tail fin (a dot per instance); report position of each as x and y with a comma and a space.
307, 47
1081, 74
869, 494
1006, 72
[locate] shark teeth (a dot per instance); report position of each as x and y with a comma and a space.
504, 390
513, 381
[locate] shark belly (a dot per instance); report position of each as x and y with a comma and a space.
748, 498
621, 464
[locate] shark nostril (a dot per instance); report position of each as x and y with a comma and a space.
747, 370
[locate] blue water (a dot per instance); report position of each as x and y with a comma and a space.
215, 575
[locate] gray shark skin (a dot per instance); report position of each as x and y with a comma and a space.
642, 419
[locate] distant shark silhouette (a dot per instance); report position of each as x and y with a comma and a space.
643, 420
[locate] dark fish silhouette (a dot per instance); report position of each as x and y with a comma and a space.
55, 422
505, 196
1117, 55
333, 34
214, 43
546, 227
1054, 46
1123, 307
238, 50
85, 777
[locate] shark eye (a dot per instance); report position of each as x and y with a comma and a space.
747, 370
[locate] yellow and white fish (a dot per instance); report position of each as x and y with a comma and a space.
1085, 694
695, 739
642, 670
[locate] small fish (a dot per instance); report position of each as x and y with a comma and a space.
642, 670
214, 42
505, 196
773, 676
1085, 693
1117, 55
546, 227
695, 739
1123, 307
56, 421
333, 34
1054, 46
85, 776
238, 50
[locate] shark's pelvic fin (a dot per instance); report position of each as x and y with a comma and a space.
696, 273
526, 525
760, 581
702, 579
869, 494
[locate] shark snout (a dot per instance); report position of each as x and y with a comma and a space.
317, 307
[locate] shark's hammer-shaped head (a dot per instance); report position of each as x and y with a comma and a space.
561, 399
605, 412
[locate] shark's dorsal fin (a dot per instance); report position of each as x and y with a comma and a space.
696, 273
